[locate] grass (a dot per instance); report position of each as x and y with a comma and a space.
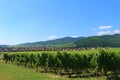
13, 72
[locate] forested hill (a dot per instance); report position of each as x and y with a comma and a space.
80, 42
57, 42
101, 41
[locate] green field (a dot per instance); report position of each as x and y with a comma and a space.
12, 72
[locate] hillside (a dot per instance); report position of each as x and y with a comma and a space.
102, 41
80, 42
62, 42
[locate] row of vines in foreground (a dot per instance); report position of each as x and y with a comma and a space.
63, 62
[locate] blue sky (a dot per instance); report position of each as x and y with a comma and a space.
39, 20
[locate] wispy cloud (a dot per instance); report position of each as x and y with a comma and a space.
117, 31
104, 33
52, 37
73, 36
102, 28
105, 27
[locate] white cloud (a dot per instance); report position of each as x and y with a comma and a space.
73, 36
52, 37
104, 33
117, 31
105, 27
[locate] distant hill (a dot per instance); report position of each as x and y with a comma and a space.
102, 41
3, 46
62, 42
80, 42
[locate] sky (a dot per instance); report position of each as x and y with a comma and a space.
24, 21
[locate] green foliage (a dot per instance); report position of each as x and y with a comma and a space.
68, 62
62, 42
101, 41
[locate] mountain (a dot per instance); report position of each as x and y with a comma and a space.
101, 41
80, 42
62, 42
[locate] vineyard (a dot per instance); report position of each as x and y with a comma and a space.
91, 63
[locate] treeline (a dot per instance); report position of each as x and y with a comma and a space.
69, 63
